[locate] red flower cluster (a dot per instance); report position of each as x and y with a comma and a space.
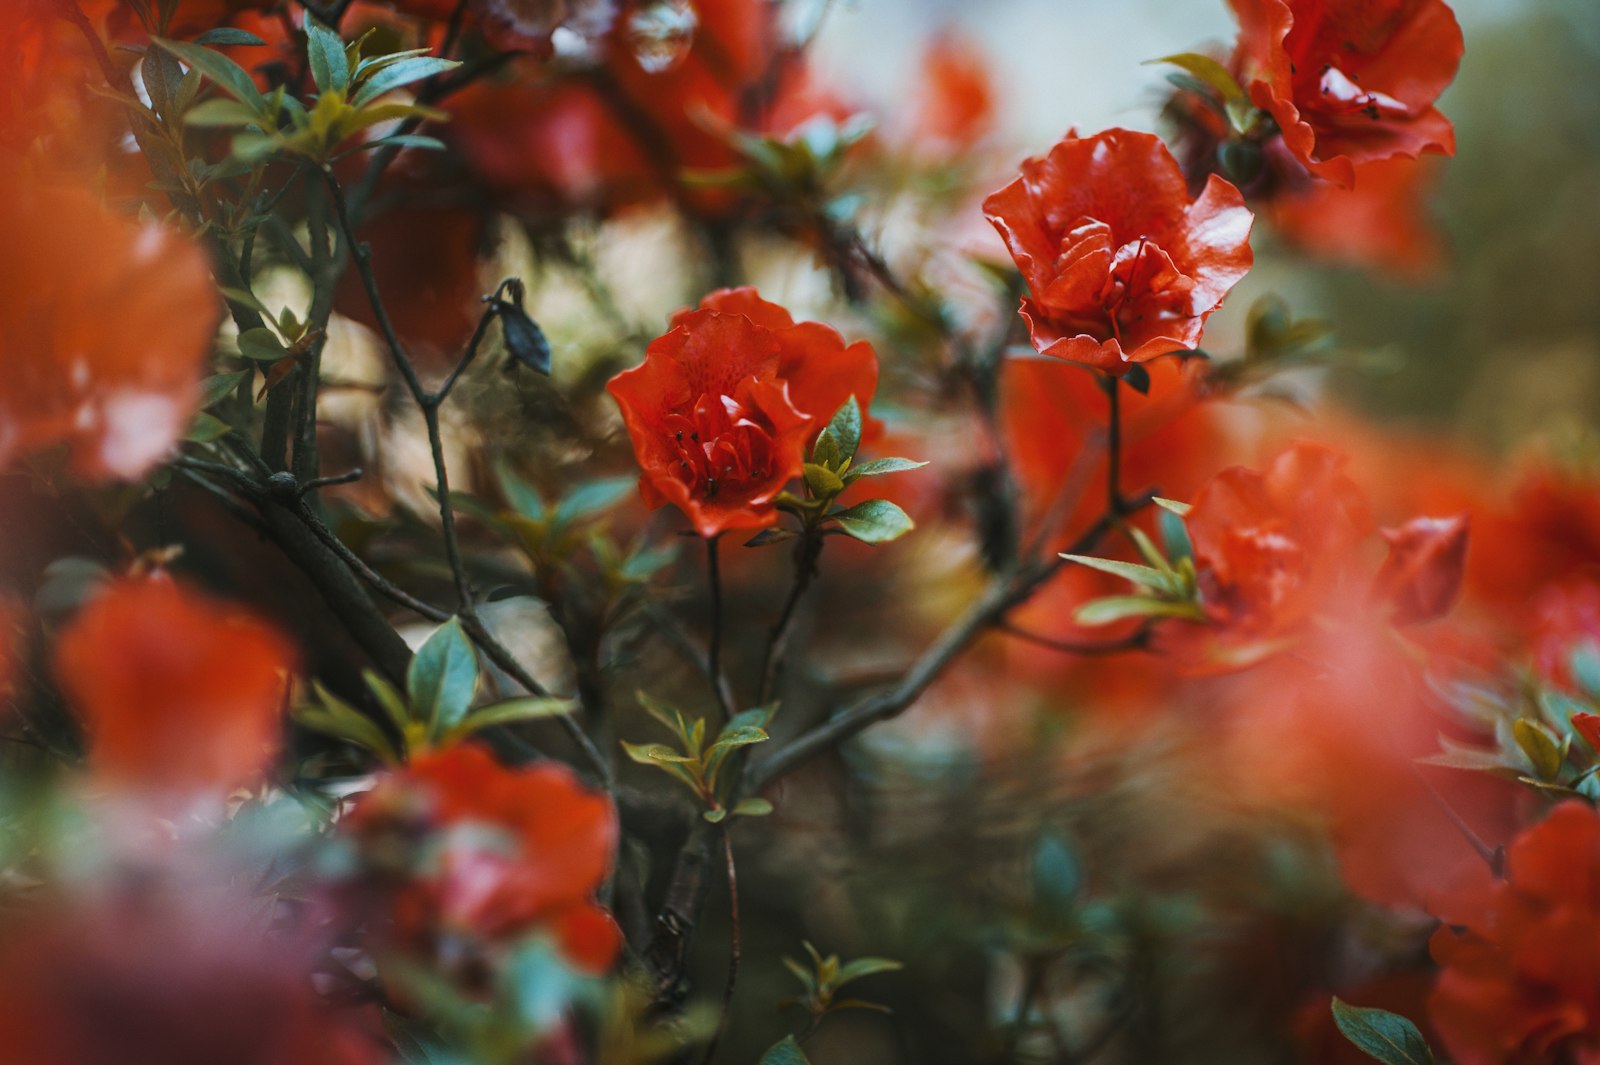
1353, 82
177, 693
509, 850
1521, 956
1122, 264
722, 408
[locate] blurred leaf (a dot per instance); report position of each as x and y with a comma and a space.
1146, 576
1536, 743
654, 754
513, 711
207, 427
230, 35
1172, 506
863, 967
1119, 607
443, 677
228, 75
404, 72
786, 1052
1057, 876
1387, 1037
875, 521
593, 497
752, 808
823, 482
261, 344
389, 698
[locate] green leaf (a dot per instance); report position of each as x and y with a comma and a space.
742, 736
654, 754
206, 428
330, 69
1208, 71
512, 711
770, 536
823, 482
405, 140
845, 428
592, 498
218, 112
229, 76
1057, 876
229, 35
1172, 506
1146, 576
220, 386
879, 467
755, 717
1387, 1037
786, 1052
395, 75
523, 497
1540, 748
716, 815
860, 967
826, 451
337, 718
245, 299
752, 808
443, 677
875, 521
1120, 607
388, 697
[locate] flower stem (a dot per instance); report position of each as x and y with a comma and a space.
714, 653
733, 948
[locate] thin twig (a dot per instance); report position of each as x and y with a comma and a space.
733, 948
807, 552
714, 653
1138, 640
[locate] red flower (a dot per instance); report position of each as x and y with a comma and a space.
956, 107
1381, 221
1350, 81
105, 326
1122, 265
1566, 619
725, 402
512, 849
1271, 544
1422, 575
1521, 956
176, 692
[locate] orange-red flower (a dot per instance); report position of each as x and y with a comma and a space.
1422, 575
1350, 81
1382, 220
1521, 956
176, 691
1122, 265
1270, 545
724, 404
510, 850
956, 107
105, 325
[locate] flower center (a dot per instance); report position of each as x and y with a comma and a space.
721, 444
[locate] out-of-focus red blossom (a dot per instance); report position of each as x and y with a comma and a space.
9, 644
521, 25
724, 404
1520, 957
1122, 265
1422, 574
955, 104
1381, 221
164, 982
1566, 617
1350, 81
1271, 545
176, 691
1544, 530
105, 326
514, 849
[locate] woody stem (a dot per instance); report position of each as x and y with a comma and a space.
733, 947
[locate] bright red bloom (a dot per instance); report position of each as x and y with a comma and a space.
1566, 618
176, 691
1270, 545
1122, 265
511, 849
105, 326
1521, 956
1422, 575
1350, 81
724, 404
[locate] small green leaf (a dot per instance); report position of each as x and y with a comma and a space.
879, 467
1208, 71
592, 498
875, 521
228, 75
513, 711
229, 35
218, 112
216, 388
826, 451
404, 140
1541, 749
752, 808
443, 677
330, 68
388, 697
1120, 607
245, 299
786, 1052
1145, 576
845, 428
743, 736
716, 815
261, 344
862, 967
654, 754
823, 482
1384, 1036
207, 427
770, 536
337, 718
401, 73
1173, 506
522, 496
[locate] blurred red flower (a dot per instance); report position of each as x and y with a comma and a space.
1122, 265
725, 402
510, 849
956, 105
105, 326
176, 691
1422, 574
1381, 220
1270, 545
1350, 81
168, 979
1521, 956
1566, 619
